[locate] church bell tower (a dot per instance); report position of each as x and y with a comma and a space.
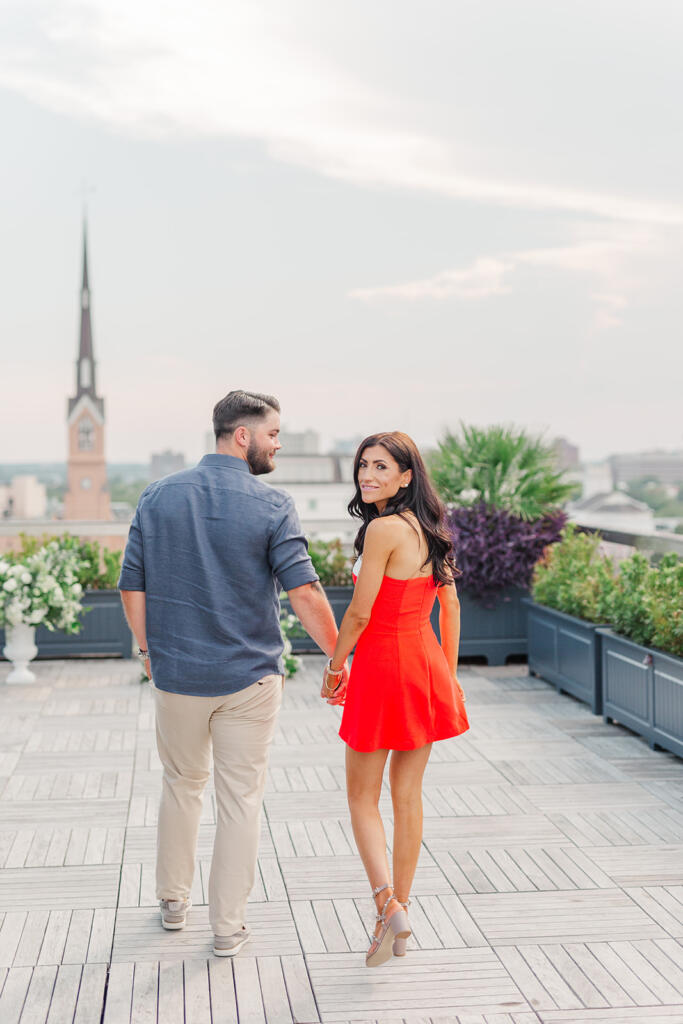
87, 495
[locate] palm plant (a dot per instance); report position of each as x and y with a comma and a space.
499, 467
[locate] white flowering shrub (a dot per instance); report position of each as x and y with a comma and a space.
289, 624
42, 589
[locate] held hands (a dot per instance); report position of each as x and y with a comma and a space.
333, 689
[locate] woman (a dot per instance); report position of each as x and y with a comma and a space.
403, 692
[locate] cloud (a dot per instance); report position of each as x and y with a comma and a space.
484, 278
603, 261
247, 70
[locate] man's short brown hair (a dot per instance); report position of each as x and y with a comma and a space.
238, 408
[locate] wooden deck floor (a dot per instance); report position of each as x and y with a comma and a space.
549, 889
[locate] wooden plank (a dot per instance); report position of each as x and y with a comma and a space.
145, 994
65, 994
91, 994
78, 937
171, 993
119, 994
10, 936
52, 950
14, 994
197, 998
39, 994
301, 997
223, 997
273, 991
31, 940
248, 991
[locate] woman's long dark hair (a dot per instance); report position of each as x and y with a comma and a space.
419, 497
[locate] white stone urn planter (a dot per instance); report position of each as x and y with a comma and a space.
20, 649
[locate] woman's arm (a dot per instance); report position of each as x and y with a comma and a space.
449, 624
381, 538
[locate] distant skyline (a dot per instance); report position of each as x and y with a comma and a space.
388, 216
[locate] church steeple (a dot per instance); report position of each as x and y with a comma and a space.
87, 495
85, 364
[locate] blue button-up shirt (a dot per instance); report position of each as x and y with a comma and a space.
212, 547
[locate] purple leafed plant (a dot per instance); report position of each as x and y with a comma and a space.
495, 550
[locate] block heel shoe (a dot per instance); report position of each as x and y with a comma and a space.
393, 928
399, 946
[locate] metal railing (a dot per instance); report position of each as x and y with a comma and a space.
653, 544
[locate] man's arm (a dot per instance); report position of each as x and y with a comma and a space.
310, 605
135, 609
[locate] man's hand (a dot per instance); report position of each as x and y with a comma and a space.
148, 668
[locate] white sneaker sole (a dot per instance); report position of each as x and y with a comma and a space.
233, 949
172, 926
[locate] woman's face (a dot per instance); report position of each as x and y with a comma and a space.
380, 476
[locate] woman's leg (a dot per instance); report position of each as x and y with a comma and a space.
405, 777
363, 787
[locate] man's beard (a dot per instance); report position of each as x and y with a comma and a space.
258, 460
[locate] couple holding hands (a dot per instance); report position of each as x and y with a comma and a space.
208, 552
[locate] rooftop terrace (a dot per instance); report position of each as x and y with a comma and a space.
550, 886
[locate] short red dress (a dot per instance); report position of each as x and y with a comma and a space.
400, 693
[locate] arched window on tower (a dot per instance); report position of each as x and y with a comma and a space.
86, 435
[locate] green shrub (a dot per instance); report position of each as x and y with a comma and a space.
646, 602
98, 568
330, 562
502, 467
572, 575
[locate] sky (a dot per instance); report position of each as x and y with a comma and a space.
391, 215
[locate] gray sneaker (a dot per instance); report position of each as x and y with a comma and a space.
230, 944
173, 913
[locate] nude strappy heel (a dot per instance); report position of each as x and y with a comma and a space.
400, 943
396, 927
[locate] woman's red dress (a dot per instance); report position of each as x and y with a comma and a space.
400, 693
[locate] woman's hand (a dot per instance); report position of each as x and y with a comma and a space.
459, 690
333, 689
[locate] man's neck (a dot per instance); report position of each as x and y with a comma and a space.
229, 449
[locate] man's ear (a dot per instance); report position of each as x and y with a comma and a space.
241, 436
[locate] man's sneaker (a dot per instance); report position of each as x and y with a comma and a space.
173, 913
231, 944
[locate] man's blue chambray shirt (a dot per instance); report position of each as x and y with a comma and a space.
212, 547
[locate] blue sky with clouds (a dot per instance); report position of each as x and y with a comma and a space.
391, 215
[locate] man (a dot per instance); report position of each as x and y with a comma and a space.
208, 550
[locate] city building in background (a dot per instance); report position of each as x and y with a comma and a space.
664, 467
165, 463
615, 510
87, 495
321, 487
567, 454
23, 498
304, 442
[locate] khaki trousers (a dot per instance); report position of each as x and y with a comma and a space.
240, 728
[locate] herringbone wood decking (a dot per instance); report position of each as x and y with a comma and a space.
549, 889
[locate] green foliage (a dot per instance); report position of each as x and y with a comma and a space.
503, 467
126, 490
666, 605
646, 602
330, 562
571, 574
642, 602
98, 568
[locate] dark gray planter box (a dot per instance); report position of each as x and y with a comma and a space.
104, 631
565, 650
491, 633
643, 690
339, 598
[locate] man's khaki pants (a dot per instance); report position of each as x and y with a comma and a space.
240, 727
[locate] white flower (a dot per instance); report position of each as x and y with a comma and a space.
36, 616
26, 577
14, 613
77, 589
9, 585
